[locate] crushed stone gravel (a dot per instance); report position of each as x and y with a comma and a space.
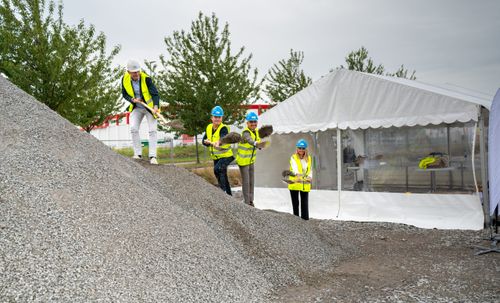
80, 223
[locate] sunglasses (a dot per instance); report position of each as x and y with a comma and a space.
301, 148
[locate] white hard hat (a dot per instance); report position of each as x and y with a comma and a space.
133, 66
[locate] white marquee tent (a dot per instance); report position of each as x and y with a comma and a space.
494, 160
351, 108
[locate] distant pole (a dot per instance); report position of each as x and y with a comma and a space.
172, 149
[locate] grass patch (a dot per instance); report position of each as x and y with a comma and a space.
186, 157
165, 155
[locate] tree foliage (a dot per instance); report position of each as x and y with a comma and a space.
201, 71
65, 67
402, 72
358, 60
286, 78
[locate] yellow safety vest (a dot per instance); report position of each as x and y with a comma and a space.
247, 152
302, 186
127, 84
226, 150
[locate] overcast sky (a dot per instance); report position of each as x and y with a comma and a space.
452, 42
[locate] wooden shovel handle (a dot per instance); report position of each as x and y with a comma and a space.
158, 115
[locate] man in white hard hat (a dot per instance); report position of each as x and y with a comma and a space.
138, 87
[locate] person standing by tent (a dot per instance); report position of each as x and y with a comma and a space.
247, 151
300, 166
222, 154
138, 88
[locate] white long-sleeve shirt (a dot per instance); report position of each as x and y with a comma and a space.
295, 168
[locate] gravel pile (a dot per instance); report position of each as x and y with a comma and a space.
79, 222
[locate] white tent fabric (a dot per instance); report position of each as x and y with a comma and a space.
348, 99
494, 152
421, 210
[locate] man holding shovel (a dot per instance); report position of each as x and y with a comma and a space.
221, 153
138, 89
247, 152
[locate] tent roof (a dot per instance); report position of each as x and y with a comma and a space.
348, 99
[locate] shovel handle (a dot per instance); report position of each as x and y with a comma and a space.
156, 115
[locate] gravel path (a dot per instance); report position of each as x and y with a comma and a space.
80, 223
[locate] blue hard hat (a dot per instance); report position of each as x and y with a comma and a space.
301, 143
217, 111
251, 116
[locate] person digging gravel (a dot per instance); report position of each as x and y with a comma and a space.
301, 177
222, 154
247, 152
138, 87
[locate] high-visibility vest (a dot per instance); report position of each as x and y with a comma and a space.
127, 84
302, 186
225, 149
426, 161
246, 151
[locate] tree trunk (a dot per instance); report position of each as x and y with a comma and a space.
196, 143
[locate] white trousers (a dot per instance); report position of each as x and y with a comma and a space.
135, 122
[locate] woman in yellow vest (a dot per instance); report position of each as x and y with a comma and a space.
222, 154
300, 166
247, 152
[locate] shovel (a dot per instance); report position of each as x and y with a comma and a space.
161, 118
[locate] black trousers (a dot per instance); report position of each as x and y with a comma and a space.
304, 203
220, 171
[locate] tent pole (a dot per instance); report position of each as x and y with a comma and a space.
339, 166
450, 174
473, 156
366, 173
317, 163
484, 171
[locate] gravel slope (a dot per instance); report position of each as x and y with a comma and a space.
82, 223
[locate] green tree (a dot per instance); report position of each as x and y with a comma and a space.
402, 72
201, 71
359, 61
65, 67
286, 78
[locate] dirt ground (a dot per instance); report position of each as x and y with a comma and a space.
399, 263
